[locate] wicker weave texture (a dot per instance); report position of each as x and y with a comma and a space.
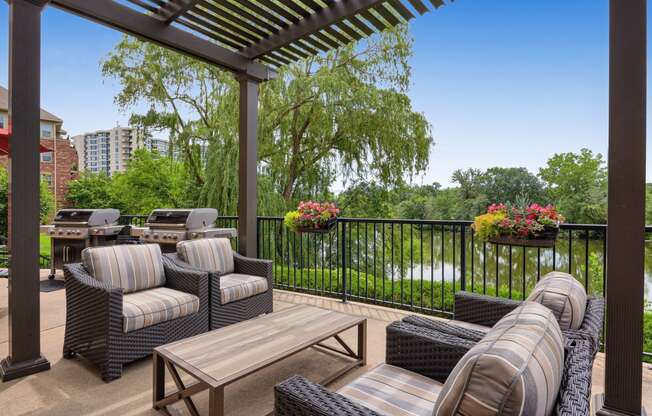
298, 396
423, 350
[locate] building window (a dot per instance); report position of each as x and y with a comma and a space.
46, 130
2, 121
47, 178
46, 157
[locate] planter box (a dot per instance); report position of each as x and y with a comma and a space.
332, 223
545, 240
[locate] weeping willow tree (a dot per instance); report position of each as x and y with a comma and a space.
341, 116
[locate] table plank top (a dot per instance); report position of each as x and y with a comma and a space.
224, 355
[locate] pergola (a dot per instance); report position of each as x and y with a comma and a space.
253, 37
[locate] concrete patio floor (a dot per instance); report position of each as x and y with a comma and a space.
73, 387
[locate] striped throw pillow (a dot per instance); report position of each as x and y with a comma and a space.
516, 369
130, 267
209, 254
564, 296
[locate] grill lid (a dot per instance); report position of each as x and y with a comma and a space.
86, 217
188, 219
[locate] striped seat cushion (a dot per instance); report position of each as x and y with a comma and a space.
130, 267
564, 296
153, 306
209, 254
236, 286
390, 390
516, 369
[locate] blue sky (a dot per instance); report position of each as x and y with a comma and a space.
503, 83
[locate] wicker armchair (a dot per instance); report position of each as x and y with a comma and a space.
432, 354
223, 314
486, 310
94, 319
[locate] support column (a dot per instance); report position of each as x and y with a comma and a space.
24, 102
626, 209
247, 196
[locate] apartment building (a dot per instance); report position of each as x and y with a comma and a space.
109, 150
59, 166
159, 145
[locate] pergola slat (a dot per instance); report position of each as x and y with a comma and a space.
235, 19
337, 35
276, 56
360, 24
178, 8
264, 13
373, 20
151, 29
327, 40
279, 10
295, 7
305, 46
349, 30
188, 21
312, 4
245, 14
387, 14
213, 27
401, 9
419, 6
339, 10
233, 23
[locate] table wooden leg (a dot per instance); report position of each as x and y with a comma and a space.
362, 342
216, 401
159, 379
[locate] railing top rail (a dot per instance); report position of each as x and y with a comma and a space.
583, 227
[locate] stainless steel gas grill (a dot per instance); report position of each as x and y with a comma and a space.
169, 226
75, 229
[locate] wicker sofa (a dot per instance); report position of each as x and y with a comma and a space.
112, 321
240, 287
429, 358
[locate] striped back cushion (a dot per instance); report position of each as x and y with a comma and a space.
564, 296
516, 369
210, 254
130, 267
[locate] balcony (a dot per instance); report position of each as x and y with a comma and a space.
254, 60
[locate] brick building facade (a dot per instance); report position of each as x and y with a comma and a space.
59, 166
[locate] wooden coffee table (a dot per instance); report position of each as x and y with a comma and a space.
220, 357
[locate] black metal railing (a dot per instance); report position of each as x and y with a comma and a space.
418, 265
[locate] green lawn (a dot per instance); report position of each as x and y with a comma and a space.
45, 245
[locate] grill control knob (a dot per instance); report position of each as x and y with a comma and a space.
174, 237
155, 236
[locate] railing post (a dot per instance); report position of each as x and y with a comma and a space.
343, 249
463, 257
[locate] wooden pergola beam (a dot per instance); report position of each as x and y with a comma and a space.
338, 11
148, 28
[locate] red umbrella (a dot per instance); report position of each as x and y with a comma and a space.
4, 143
